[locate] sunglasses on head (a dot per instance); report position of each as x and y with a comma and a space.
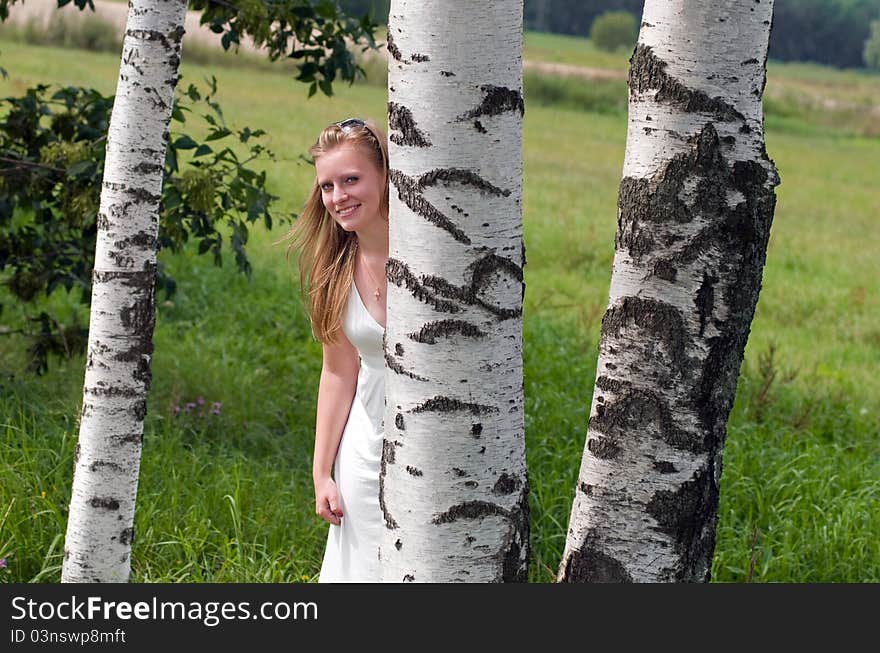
350, 124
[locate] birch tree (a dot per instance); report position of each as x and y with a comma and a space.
453, 488
694, 213
107, 456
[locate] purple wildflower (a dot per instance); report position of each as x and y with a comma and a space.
215, 407
2, 563
176, 410
200, 401
189, 406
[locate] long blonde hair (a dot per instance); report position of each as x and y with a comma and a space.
326, 250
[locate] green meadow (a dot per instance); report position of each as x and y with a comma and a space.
227, 497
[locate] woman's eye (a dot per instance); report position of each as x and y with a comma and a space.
351, 180
326, 186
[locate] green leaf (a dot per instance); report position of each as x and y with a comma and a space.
203, 150
185, 143
217, 134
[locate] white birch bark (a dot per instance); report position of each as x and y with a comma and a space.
695, 206
453, 487
117, 377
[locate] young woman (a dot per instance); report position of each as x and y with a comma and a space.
342, 237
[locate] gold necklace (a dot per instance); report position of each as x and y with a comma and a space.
376, 292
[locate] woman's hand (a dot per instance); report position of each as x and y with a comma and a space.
328, 505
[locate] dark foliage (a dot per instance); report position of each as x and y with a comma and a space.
53, 143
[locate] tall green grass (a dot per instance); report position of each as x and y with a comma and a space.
228, 497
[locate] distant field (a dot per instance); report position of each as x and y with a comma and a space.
229, 499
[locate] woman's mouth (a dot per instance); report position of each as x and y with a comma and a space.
348, 210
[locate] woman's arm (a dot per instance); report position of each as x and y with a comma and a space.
335, 393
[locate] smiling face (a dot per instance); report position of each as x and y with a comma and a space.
351, 188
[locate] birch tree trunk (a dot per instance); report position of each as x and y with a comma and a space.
453, 487
695, 206
107, 458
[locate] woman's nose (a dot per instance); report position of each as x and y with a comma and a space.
339, 195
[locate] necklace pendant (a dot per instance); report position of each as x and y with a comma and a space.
376, 294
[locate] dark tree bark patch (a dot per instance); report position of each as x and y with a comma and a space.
401, 119
688, 516
127, 536
441, 404
400, 369
108, 503
104, 464
393, 50
414, 471
470, 510
409, 192
398, 422
401, 276
648, 72
506, 484
664, 467
589, 564
431, 332
635, 408
496, 100
660, 320
604, 448
387, 459
459, 176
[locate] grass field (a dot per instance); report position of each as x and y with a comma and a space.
228, 497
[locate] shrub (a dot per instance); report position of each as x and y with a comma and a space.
613, 30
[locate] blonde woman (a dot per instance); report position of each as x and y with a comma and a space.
342, 238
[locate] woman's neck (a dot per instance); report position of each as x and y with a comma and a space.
374, 242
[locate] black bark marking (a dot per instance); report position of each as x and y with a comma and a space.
414, 471
104, 502
447, 73
470, 510
400, 369
626, 416
146, 168
497, 100
409, 578
410, 193
459, 176
104, 464
586, 488
688, 516
589, 564
459, 472
604, 448
647, 72
393, 50
506, 484
441, 404
471, 484
387, 459
705, 300
515, 551
126, 536
479, 127
661, 321
398, 545
476, 429
664, 467
398, 422
429, 289
401, 119
430, 332
420, 58
142, 240
398, 349
400, 275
